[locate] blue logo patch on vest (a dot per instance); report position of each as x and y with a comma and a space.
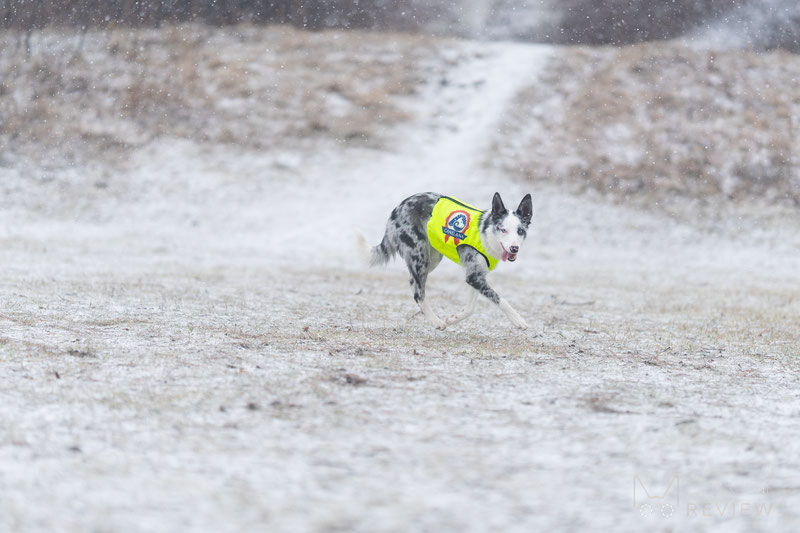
456, 224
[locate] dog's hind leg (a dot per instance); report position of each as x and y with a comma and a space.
467, 311
418, 262
419, 277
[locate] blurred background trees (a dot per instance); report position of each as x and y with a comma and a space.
766, 24
312, 14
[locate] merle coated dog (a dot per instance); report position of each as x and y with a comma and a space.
427, 226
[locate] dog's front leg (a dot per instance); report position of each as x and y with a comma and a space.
479, 283
512, 314
476, 278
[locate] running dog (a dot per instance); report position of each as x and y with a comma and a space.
427, 226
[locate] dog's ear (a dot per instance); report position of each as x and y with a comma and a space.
497, 205
525, 209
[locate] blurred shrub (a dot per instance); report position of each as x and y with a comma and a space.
765, 25
629, 21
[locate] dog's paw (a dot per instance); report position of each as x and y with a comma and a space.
436, 322
452, 319
519, 321
413, 315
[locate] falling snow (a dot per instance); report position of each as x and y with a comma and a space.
190, 341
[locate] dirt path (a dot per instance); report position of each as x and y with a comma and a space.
189, 359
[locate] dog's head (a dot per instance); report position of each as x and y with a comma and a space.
509, 229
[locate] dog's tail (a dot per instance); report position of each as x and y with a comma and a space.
375, 255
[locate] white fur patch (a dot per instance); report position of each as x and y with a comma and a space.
511, 237
512, 315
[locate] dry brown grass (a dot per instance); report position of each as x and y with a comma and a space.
656, 122
248, 85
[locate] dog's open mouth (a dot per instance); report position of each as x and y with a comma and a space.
509, 256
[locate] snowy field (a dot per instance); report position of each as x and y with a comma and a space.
190, 342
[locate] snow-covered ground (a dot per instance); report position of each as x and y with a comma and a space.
196, 346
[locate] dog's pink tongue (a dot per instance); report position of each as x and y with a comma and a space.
505, 255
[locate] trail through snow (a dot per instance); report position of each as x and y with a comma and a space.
441, 151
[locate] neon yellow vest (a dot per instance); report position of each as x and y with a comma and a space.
454, 223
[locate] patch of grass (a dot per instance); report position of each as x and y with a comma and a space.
79, 97
657, 122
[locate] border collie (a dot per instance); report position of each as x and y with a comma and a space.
427, 226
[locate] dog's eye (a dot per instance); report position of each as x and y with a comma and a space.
503, 230
520, 231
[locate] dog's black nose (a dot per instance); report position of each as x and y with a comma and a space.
514, 249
